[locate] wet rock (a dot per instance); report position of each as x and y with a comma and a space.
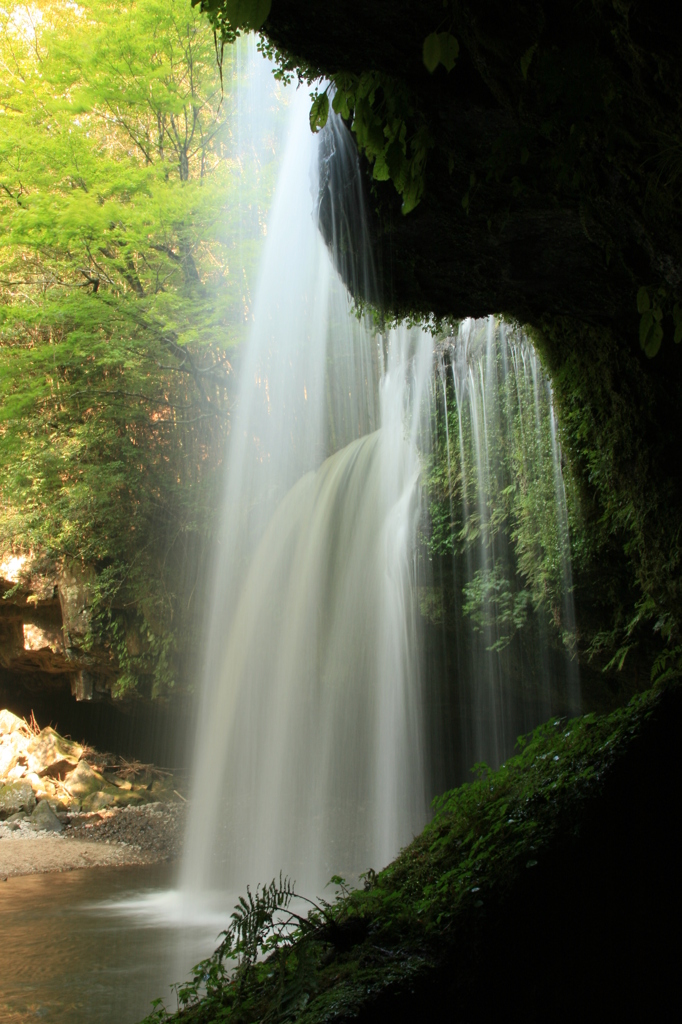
48, 752
44, 818
16, 796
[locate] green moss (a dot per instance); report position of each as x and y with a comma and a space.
621, 436
440, 903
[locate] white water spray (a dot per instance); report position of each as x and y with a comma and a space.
309, 751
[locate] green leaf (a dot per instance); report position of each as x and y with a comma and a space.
319, 112
677, 313
449, 50
397, 164
380, 171
643, 300
246, 13
645, 326
341, 103
346, 81
653, 342
431, 52
412, 195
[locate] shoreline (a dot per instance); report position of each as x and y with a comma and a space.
116, 837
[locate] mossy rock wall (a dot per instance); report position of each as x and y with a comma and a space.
551, 195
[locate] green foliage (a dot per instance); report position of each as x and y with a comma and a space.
651, 304
493, 606
268, 945
503, 507
382, 118
484, 839
440, 48
319, 111
380, 108
379, 115
125, 262
619, 437
238, 14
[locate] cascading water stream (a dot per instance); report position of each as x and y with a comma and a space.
309, 755
505, 466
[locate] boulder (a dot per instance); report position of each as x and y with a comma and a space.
50, 753
9, 723
129, 799
43, 817
90, 789
12, 749
83, 781
123, 784
98, 801
16, 796
47, 788
43, 638
164, 789
7, 755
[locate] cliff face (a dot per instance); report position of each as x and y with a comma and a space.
44, 623
49, 669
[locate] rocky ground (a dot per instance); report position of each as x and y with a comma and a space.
60, 811
154, 832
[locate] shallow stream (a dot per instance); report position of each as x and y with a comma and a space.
96, 946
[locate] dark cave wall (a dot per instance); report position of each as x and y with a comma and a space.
558, 125
552, 195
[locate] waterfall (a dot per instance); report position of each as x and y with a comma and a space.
309, 755
366, 644
506, 498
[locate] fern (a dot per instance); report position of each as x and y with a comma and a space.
266, 942
256, 926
